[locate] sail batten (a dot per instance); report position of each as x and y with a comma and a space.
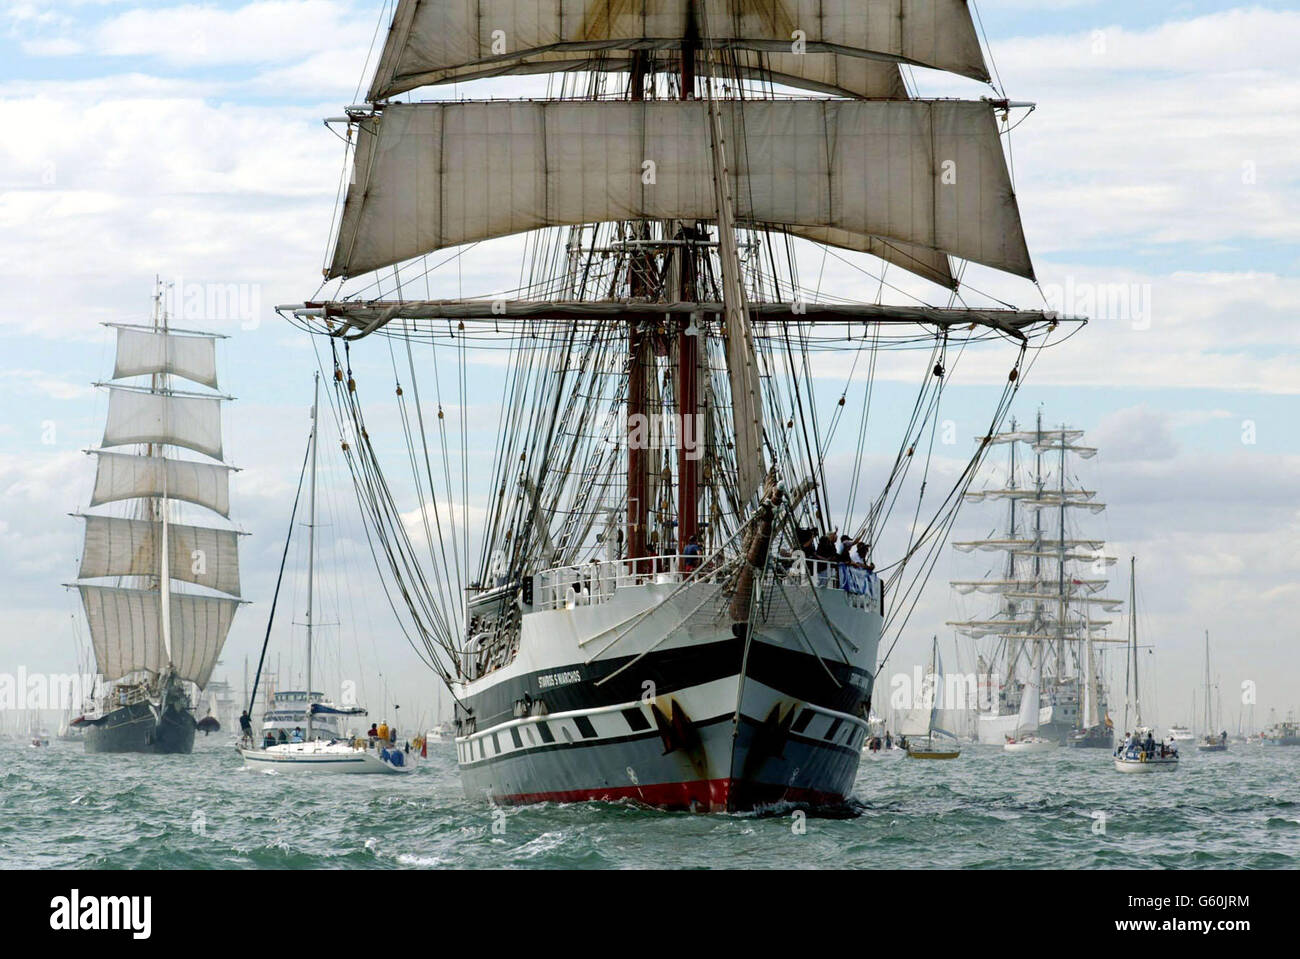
925, 174
442, 42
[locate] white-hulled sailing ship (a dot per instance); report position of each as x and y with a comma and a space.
316, 746
657, 612
1047, 580
159, 594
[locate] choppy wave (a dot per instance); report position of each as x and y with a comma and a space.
61, 808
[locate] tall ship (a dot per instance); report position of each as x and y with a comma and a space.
159, 592
648, 575
1047, 576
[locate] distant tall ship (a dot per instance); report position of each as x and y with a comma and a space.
1047, 582
152, 639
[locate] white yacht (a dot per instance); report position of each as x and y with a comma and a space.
300, 732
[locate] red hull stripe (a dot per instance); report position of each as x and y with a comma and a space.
714, 795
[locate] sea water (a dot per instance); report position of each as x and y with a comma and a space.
986, 810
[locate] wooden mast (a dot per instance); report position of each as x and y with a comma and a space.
688, 355
640, 359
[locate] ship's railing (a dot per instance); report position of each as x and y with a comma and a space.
589, 584
596, 582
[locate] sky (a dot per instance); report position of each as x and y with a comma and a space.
184, 140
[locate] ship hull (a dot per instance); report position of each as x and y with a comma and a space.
137, 728
698, 720
1097, 737
996, 729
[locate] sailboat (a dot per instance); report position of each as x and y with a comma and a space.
1025, 739
946, 746
1140, 752
312, 753
1210, 742
657, 611
1049, 580
150, 636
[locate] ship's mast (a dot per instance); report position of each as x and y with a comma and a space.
1133, 639
1209, 726
1060, 565
311, 542
159, 382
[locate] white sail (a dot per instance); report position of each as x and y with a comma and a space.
199, 626
142, 352
927, 173
1027, 718
120, 476
129, 547
980, 496
135, 416
1020, 545
125, 630
441, 42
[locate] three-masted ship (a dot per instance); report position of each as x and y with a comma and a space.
1048, 582
159, 594
676, 600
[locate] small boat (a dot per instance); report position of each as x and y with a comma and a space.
327, 756
310, 752
1286, 733
1140, 752
1026, 738
1181, 734
1210, 742
945, 747
1141, 755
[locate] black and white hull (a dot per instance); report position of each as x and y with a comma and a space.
648, 695
142, 728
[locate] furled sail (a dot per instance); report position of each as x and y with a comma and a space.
930, 174
142, 351
441, 42
137, 416
199, 625
125, 629
120, 476
129, 547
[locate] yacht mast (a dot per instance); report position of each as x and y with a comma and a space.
1209, 726
1133, 634
311, 542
